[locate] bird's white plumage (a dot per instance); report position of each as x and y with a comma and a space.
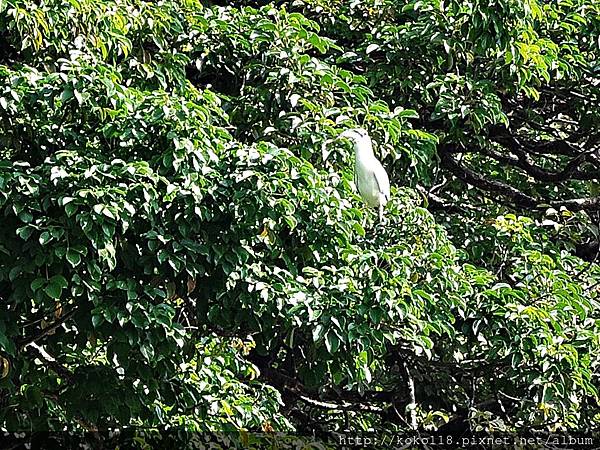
370, 177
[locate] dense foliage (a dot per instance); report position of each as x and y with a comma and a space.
182, 245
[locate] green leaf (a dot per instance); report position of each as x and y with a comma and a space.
97, 320
37, 283
45, 237
25, 216
55, 286
73, 257
59, 280
53, 291
376, 314
332, 341
24, 232
408, 114
371, 48
7, 344
66, 94
358, 228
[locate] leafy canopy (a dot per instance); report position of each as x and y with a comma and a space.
181, 244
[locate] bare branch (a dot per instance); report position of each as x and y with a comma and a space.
517, 197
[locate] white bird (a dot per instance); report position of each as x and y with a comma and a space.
370, 177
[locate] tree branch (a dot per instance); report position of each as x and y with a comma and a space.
517, 197
46, 331
344, 406
50, 362
469, 176
524, 162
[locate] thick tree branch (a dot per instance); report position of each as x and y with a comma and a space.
344, 406
334, 400
46, 331
516, 197
524, 162
473, 178
51, 363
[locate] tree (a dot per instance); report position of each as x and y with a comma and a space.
182, 246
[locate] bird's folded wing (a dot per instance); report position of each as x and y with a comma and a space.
383, 182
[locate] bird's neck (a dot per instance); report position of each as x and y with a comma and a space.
363, 151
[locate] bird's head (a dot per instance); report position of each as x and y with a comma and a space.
359, 137
355, 134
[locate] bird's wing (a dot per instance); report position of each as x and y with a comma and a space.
382, 179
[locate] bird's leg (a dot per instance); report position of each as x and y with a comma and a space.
381, 221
